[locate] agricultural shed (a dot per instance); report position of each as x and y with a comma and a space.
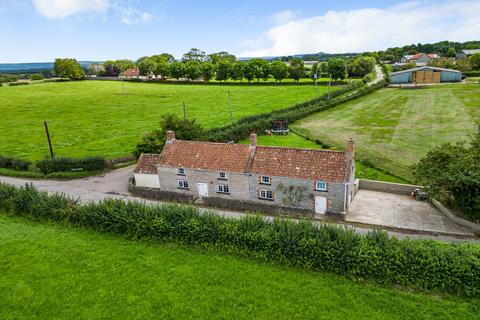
423, 75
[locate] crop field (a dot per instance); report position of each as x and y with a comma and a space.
395, 128
94, 118
50, 271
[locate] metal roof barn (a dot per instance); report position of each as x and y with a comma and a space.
425, 75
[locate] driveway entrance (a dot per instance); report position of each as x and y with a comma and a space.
398, 211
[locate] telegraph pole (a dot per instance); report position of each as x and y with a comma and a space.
316, 85
329, 82
230, 107
184, 113
48, 138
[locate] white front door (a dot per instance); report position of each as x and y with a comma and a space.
320, 204
202, 188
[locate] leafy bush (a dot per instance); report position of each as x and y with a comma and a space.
14, 163
14, 84
8, 78
452, 173
37, 76
472, 73
423, 264
47, 165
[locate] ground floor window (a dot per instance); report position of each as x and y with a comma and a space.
266, 194
222, 188
321, 186
183, 184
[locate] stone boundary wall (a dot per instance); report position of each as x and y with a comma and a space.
450, 215
161, 195
389, 187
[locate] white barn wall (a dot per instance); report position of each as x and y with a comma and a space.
147, 180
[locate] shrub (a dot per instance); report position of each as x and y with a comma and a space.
14, 163
472, 73
48, 165
423, 264
37, 76
14, 84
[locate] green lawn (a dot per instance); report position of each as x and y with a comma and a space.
94, 118
395, 128
293, 140
50, 271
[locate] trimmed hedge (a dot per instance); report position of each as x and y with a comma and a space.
475, 73
258, 123
422, 264
48, 165
14, 163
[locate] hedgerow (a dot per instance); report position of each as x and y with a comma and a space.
14, 163
258, 123
422, 264
48, 165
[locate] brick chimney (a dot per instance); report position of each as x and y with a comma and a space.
351, 146
253, 139
170, 136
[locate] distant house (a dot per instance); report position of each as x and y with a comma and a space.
132, 72
420, 59
251, 176
462, 54
425, 75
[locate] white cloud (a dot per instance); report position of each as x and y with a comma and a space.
284, 16
374, 29
131, 15
54, 9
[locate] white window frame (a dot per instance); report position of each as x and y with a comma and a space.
224, 176
263, 194
182, 184
223, 188
181, 172
267, 178
320, 182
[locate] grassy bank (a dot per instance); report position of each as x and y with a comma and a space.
395, 128
90, 118
50, 271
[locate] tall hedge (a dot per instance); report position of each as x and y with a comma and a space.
48, 165
422, 264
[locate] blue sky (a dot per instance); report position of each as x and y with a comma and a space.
40, 30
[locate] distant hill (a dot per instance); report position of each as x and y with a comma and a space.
32, 67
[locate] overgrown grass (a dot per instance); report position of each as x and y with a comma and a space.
363, 171
90, 118
50, 271
395, 128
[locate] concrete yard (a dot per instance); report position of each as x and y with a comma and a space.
401, 212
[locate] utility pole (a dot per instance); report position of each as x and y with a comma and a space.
48, 138
316, 85
329, 82
184, 113
230, 107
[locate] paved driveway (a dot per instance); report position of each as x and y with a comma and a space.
402, 212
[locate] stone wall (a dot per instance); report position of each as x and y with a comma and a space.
389, 187
162, 195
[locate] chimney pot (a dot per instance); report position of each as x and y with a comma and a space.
170, 136
351, 146
253, 139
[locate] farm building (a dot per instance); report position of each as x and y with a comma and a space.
424, 75
462, 54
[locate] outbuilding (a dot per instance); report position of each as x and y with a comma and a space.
425, 75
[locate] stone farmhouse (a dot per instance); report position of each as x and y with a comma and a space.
250, 177
420, 59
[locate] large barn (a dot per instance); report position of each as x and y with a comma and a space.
425, 75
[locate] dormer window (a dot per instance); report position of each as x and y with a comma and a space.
181, 171
222, 176
320, 186
265, 180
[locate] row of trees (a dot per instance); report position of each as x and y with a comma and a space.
222, 66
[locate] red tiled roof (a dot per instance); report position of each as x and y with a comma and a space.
309, 164
418, 55
147, 164
205, 155
131, 72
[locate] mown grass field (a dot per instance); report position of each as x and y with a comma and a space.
94, 118
295, 141
395, 128
50, 271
